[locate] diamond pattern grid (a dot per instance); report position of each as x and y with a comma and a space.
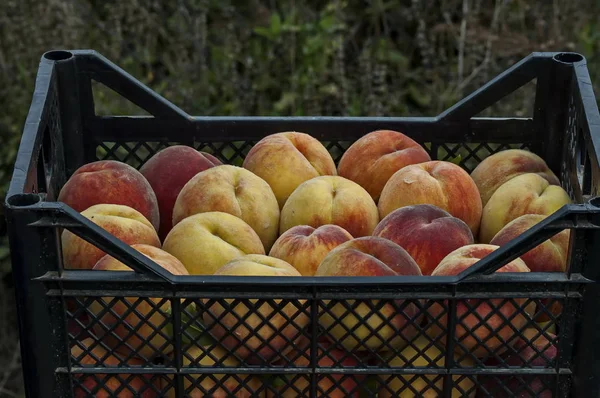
290, 385
469, 155
117, 385
256, 331
420, 358
526, 386
136, 329
573, 138
136, 154
370, 325
216, 385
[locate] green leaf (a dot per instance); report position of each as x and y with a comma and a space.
420, 97
327, 23
262, 31
456, 159
286, 101
275, 24
4, 252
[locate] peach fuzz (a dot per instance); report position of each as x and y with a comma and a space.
439, 183
483, 318
168, 171
304, 247
525, 194
122, 222
117, 324
374, 158
330, 200
205, 242
110, 182
503, 166
232, 190
285, 160
110, 385
262, 321
426, 232
369, 256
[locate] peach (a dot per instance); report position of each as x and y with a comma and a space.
110, 182
525, 194
109, 385
426, 232
168, 171
304, 247
263, 321
330, 200
285, 160
328, 385
482, 319
116, 327
205, 242
422, 353
548, 256
375, 157
123, 222
214, 385
503, 166
369, 256
533, 349
232, 190
439, 183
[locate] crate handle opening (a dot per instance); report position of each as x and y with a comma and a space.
568, 58
23, 200
58, 55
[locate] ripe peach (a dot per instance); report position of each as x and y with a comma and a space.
503, 166
375, 157
525, 194
533, 349
328, 385
549, 256
232, 190
265, 322
369, 256
109, 385
482, 319
210, 384
304, 247
285, 160
426, 232
123, 222
205, 242
439, 183
330, 200
421, 353
168, 171
110, 182
116, 327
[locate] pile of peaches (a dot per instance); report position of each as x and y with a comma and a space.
386, 209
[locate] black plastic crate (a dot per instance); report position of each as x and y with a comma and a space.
62, 132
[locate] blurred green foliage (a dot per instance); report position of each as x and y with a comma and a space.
289, 57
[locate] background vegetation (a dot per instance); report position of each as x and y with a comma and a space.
280, 57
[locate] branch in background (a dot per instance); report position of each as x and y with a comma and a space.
12, 367
488, 49
461, 42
